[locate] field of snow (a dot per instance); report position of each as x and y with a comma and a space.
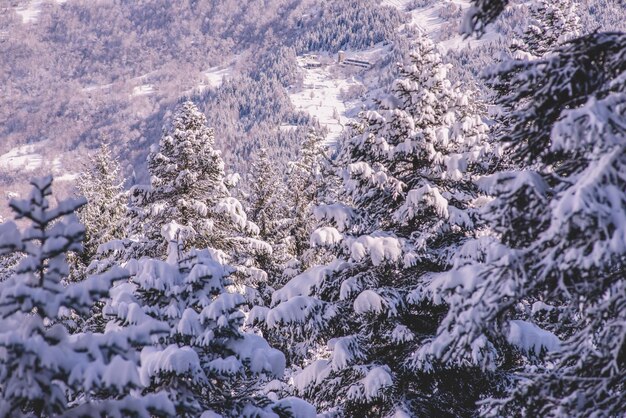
29, 11
214, 76
71, 177
143, 90
27, 158
321, 97
444, 32
96, 87
398, 4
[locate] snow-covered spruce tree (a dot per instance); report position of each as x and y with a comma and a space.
105, 214
553, 280
266, 199
44, 370
7, 262
551, 24
301, 193
267, 208
188, 186
304, 184
480, 14
406, 205
206, 363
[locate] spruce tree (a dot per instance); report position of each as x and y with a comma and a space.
406, 204
188, 186
266, 197
304, 184
268, 210
105, 215
44, 370
205, 362
551, 24
545, 295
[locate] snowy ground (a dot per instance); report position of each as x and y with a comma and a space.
67, 177
321, 96
398, 4
27, 158
428, 20
142, 90
29, 10
214, 76
96, 87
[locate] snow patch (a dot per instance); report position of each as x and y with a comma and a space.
305, 282
321, 96
340, 214
529, 337
314, 374
293, 311
379, 249
178, 360
376, 380
372, 386
259, 355
214, 76
325, 236
67, 177
297, 407
368, 301
27, 158
143, 90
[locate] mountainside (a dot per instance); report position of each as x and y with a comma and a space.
77, 72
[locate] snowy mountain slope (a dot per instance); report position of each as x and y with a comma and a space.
29, 158
88, 71
321, 94
108, 97
324, 79
441, 21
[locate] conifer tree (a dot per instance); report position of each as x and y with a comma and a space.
268, 210
188, 186
551, 24
44, 370
266, 194
205, 362
545, 296
406, 204
105, 214
304, 184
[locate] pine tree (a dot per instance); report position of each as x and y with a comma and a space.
546, 295
105, 214
551, 24
406, 201
188, 186
206, 363
265, 197
304, 186
267, 209
45, 371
